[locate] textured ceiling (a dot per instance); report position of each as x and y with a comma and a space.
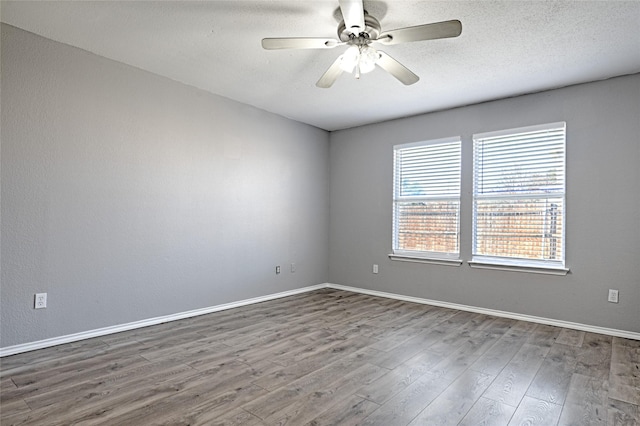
507, 48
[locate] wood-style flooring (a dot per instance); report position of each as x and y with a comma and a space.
329, 358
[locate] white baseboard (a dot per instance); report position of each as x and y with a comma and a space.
69, 338
496, 313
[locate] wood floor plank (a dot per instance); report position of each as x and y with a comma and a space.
624, 376
99, 393
362, 317
313, 404
424, 361
407, 404
68, 355
594, 357
586, 403
396, 338
621, 413
54, 354
348, 412
417, 316
184, 350
450, 341
554, 376
452, 405
199, 400
442, 338
407, 349
13, 408
466, 354
91, 391
195, 407
501, 325
281, 397
499, 355
237, 417
390, 384
60, 373
314, 335
60, 383
7, 384
278, 347
544, 335
345, 353
385, 319
535, 412
570, 337
461, 318
513, 381
489, 413
97, 409
304, 352
621, 341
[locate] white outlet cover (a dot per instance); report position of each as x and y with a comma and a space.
40, 301
613, 296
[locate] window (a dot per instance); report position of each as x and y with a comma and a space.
426, 201
519, 196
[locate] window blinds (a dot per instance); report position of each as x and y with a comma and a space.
519, 194
427, 198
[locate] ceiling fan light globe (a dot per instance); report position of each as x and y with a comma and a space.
368, 58
350, 58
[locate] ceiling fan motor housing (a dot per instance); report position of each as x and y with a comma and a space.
371, 29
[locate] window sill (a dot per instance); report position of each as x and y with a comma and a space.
430, 260
548, 270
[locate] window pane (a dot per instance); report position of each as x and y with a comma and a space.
524, 228
428, 226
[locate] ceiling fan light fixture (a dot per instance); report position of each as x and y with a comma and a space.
368, 58
362, 58
350, 58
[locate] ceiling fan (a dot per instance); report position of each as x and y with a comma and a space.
359, 30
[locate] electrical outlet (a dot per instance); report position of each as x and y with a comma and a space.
40, 301
293, 267
613, 296
375, 268
277, 269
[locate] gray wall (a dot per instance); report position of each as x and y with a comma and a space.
127, 196
603, 207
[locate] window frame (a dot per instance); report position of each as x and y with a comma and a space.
547, 266
435, 257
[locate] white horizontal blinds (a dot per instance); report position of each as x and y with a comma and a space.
427, 197
519, 194
431, 170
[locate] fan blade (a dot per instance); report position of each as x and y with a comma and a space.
396, 69
353, 14
299, 43
433, 31
331, 75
